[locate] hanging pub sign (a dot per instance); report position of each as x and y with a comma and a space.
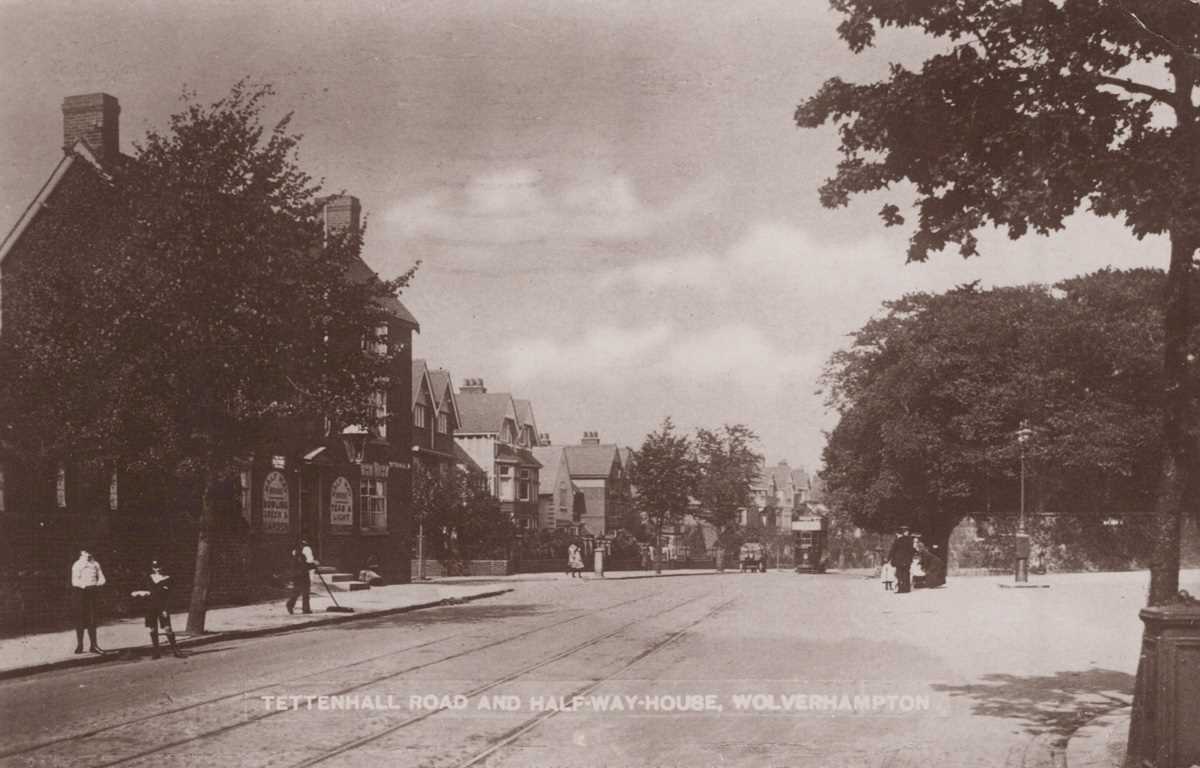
341, 506
275, 504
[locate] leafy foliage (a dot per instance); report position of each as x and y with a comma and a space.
931, 394
207, 305
1029, 112
728, 466
665, 474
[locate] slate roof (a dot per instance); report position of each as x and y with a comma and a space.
440, 380
524, 413
590, 460
483, 412
419, 372
551, 457
511, 454
360, 272
464, 459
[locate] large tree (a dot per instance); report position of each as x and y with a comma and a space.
931, 394
666, 475
1028, 112
728, 466
211, 310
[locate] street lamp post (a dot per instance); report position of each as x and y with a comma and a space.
1022, 538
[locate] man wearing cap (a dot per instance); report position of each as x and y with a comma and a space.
303, 564
901, 557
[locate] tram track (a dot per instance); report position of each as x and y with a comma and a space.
216, 732
92, 733
515, 733
354, 744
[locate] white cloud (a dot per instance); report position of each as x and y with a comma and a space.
519, 206
603, 351
736, 353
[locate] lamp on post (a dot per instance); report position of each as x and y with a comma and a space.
354, 439
1021, 574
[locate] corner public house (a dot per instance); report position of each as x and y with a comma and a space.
348, 493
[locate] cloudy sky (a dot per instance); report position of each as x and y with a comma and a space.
615, 213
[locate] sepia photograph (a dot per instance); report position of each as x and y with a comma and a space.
600, 384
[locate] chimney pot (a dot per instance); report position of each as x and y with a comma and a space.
95, 118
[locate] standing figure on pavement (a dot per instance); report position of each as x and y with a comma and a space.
901, 557
575, 561
156, 591
86, 580
304, 563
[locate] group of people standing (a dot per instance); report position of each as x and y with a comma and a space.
908, 559
87, 579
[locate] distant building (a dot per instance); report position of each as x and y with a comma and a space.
598, 471
498, 436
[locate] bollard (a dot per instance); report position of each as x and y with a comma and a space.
1163, 731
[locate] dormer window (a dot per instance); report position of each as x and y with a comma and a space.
419, 416
443, 424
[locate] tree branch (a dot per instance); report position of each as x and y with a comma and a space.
1163, 95
1174, 46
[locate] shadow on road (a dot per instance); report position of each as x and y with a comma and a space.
1051, 704
470, 613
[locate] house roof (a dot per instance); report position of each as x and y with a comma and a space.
465, 460
511, 454
591, 460
524, 410
443, 389
79, 152
360, 272
551, 457
626, 455
420, 375
484, 412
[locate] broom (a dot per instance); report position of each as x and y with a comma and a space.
335, 608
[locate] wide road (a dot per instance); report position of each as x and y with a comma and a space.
714, 670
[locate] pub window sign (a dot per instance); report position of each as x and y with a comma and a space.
341, 506
276, 507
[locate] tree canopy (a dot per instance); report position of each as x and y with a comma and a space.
1027, 113
209, 305
665, 474
931, 395
728, 465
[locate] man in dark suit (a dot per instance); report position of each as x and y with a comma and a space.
901, 557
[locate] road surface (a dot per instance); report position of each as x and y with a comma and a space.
716, 670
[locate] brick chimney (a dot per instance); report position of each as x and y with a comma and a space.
342, 212
472, 386
590, 438
95, 118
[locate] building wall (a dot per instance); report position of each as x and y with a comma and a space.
595, 501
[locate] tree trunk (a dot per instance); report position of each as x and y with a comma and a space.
202, 575
1177, 469
1177, 462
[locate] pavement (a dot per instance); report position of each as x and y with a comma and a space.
41, 652
1101, 743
